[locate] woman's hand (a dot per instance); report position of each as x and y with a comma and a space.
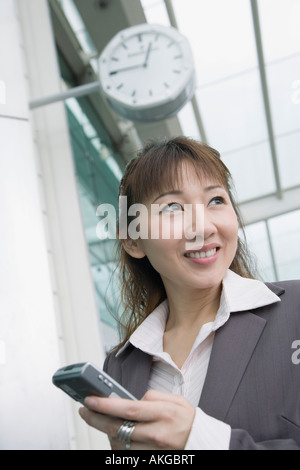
163, 420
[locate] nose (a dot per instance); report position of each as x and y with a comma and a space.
194, 226
199, 226
209, 228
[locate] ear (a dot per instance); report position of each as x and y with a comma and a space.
133, 248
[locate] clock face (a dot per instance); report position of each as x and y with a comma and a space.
145, 66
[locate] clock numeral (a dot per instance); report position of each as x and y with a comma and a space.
171, 44
124, 45
167, 85
150, 92
177, 71
120, 86
133, 93
178, 57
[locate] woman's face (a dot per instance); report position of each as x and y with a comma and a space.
182, 261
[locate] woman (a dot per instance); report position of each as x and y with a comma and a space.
206, 348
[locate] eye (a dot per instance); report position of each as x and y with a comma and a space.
172, 207
217, 201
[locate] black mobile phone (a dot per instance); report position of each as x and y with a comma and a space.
82, 380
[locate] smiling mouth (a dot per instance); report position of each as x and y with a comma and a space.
202, 254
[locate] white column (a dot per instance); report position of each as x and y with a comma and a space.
48, 313
32, 415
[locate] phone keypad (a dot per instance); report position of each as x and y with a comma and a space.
107, 382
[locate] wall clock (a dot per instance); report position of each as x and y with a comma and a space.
147, 72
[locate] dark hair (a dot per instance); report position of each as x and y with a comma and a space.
157, 168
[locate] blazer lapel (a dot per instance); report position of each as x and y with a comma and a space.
136, 370
233, 346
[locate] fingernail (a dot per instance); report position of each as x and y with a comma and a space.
91, 402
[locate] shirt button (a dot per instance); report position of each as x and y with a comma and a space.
178, 380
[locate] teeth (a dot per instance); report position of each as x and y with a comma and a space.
202, 254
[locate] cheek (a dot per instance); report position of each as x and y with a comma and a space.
160, 253
230, 229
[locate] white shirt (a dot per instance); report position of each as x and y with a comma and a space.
238, 294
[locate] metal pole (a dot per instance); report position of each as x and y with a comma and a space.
76, 92
272, 252
265, 91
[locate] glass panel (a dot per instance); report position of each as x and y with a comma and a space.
286, 110
156, 12
188, 122
221, 35
98, 175
252, 171
232, 112
77, 24
258, 242
285, 233
72, 14
280, 24
288, 148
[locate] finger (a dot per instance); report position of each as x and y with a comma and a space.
155, 395
102, 422
134, 445
144, 410
111, 426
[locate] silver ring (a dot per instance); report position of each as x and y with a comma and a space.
125, 431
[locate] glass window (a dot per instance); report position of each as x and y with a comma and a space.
232, 112
280, 28
252, 171
79, 28
221, 35
285, 234
98, 170
258, 242
188, 122
156, 12
288, 148
281, 78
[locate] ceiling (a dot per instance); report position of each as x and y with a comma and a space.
247, 102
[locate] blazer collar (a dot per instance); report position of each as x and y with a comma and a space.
136, 370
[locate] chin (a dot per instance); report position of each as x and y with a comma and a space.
210, 280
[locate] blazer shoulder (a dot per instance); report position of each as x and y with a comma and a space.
289, 294
285, 287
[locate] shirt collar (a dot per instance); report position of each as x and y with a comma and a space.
238, 294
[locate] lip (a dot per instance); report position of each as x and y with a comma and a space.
204, 261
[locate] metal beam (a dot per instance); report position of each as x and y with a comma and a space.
265, 91
83, 90
272, 251
270, 206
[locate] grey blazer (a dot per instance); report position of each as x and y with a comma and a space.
252, 384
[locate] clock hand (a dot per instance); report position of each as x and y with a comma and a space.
147, 55
132, 67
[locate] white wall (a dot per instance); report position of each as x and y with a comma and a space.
47, 311
32, 415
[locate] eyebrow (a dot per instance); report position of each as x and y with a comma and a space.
180, 193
